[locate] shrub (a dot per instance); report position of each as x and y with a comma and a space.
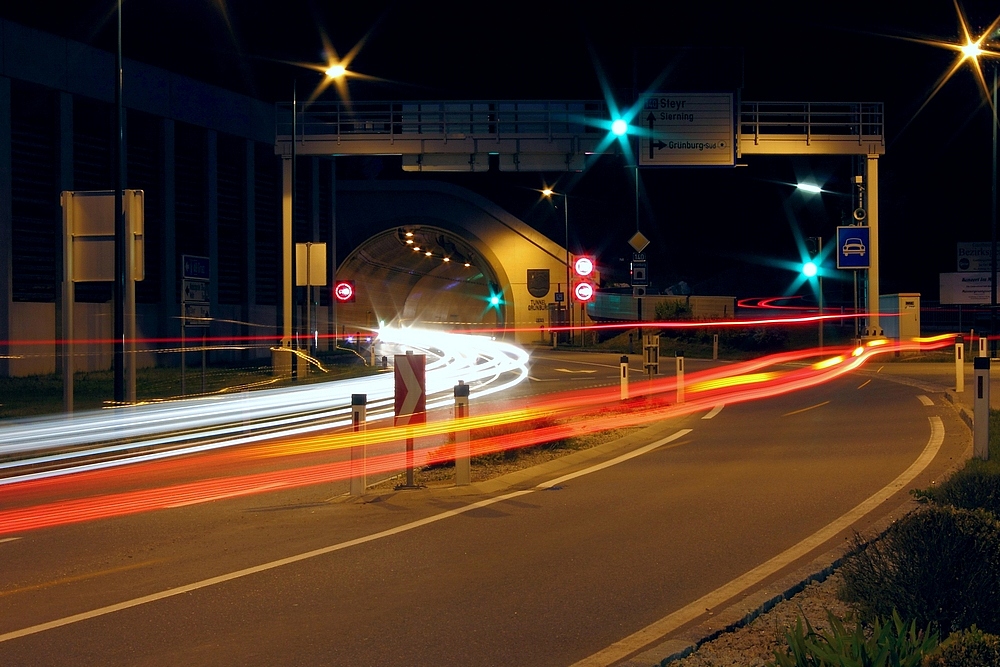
890, 642
969, 648
937, 565
973, 487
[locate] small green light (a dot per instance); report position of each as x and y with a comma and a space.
494, 300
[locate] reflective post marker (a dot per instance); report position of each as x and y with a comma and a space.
959, 368
715, 347
983, 346
624, 376
359, 415
680, 377
463, 450
981, 409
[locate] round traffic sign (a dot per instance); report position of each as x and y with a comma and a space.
584, 291
584, 266
344, 290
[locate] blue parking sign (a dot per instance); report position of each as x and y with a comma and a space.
853, 247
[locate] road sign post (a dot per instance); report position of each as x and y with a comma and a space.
410, 401
463, 451
981, 409
359, 415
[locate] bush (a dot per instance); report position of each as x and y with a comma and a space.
973, 487
890, 642
938, 565
969, 648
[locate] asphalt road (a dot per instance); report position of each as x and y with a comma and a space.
530, 576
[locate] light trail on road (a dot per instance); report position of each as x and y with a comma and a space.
127, 434
536, 421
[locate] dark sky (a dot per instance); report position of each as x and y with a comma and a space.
708, 226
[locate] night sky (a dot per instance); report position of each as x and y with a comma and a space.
716, 228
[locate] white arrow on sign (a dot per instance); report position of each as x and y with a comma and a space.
411, 386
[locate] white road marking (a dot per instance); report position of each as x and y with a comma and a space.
223, 578
661, 628
9, 539
925, 400
566, 370
714, 411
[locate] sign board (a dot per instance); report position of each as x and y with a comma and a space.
975, 256
196, 267
638, 242
584, 291
853, 247
89, 218
965, 288
344, 291
560, 297
640, 275
194, 291
196, 315
687, 130
411, 389
310, 262
538, 282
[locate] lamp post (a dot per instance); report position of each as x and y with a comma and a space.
548, 192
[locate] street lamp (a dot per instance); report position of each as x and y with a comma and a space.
549, 192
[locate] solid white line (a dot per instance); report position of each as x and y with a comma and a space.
714, 411
223, 578
925, 400
171, 592
615, 461
659, 629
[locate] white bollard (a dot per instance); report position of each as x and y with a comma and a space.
984, 346
680, 377
624, 376
463, 450
981, 409
715, 347
959, 365
359, 415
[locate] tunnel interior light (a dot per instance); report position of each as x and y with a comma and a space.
427, 254
467, 265
416, 248
409, 241
409, 235
809, 187
447, 259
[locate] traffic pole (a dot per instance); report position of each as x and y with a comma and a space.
359, 415
624, 376
959, 367
981, 409
680, 377
463, 450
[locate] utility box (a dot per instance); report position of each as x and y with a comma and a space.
899, 315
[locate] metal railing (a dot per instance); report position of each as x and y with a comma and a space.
852, 120
537, 119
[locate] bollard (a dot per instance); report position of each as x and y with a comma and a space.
680, 377
359, 415
463, 450
981, 409
959, 367
984, 350
715, 347
624, 376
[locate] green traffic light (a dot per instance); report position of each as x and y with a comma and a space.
810, 269
619, 127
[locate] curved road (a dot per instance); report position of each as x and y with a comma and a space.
547, 566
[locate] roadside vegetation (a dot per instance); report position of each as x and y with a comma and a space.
927, 591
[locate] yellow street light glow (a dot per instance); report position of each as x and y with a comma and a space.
416, 248
409, 241
547, 192
336, 71
971, 50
